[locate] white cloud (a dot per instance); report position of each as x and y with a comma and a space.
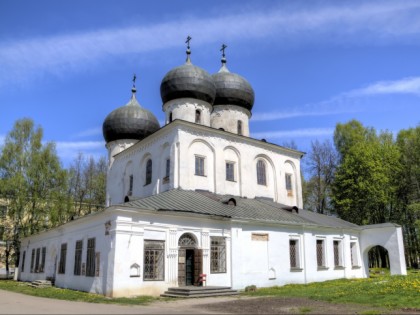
297, 133
385, 21
89, 132
403, 86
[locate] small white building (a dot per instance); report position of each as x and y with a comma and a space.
198, 197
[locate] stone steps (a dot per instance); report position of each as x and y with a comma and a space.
198, 292
41, 284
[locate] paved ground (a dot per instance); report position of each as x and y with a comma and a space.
16, 303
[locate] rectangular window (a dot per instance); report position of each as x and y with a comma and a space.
338, 260
218, 255
199, 165
90, 258
230, 171
289, 186
168, 168
62, 264
320, 253
78, 258
154, 260
38, 252
130, 185
32, 259
294, 254
23, 261
354, 255
44, 253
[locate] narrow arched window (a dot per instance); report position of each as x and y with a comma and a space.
261, 173
148, 172
170, 117
239, 127
197, 116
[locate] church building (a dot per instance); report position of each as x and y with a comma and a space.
198, 202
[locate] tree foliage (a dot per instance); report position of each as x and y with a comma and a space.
39, 193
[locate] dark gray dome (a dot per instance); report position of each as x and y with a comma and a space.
129, 122
232, 89
187, 81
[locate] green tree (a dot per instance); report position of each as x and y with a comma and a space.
365, 185
33, 182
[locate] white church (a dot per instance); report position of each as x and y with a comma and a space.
199, 203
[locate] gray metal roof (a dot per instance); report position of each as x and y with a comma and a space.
258, 209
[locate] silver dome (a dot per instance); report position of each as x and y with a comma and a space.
129, 122
232, 89
188, 81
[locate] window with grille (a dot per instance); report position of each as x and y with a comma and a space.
62, 264
154, 260
199, 165
148, 172
294, 254
289, 186
320, 254
43, 254
239, 127
261, 173
197, 116
32, 260
230, 171
38, 253
90, 258
78, 258
218, 255
23, 261
337, 254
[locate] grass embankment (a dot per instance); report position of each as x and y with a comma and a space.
71, 295
382, 290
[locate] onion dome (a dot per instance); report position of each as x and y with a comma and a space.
129, 122
188, 81
231, 88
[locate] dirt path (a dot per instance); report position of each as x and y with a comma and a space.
16, 303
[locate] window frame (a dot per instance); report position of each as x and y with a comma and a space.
297, 266
354, 254
230, 176
261, 172
32, 260
38, 256
130, 184
218, 255
289, 183
239, 127
149, 172
43, 256
63, 256
167, 170
338, 253
200, 167
90, 257
78, 252
23, 260
154, 260
321, 253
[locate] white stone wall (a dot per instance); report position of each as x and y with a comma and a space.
185, 109
227, 117
82, 229
182, 143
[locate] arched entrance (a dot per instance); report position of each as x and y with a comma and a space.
378, 257
190, 260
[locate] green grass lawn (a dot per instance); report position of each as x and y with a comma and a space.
380, 290
71, 295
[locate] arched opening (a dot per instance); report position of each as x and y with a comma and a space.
378, 258
197, 116
148, 172
190, 260
239, 127
126, 199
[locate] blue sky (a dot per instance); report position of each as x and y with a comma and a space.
312, 64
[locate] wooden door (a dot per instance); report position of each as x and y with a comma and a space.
181, 267
198, 265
